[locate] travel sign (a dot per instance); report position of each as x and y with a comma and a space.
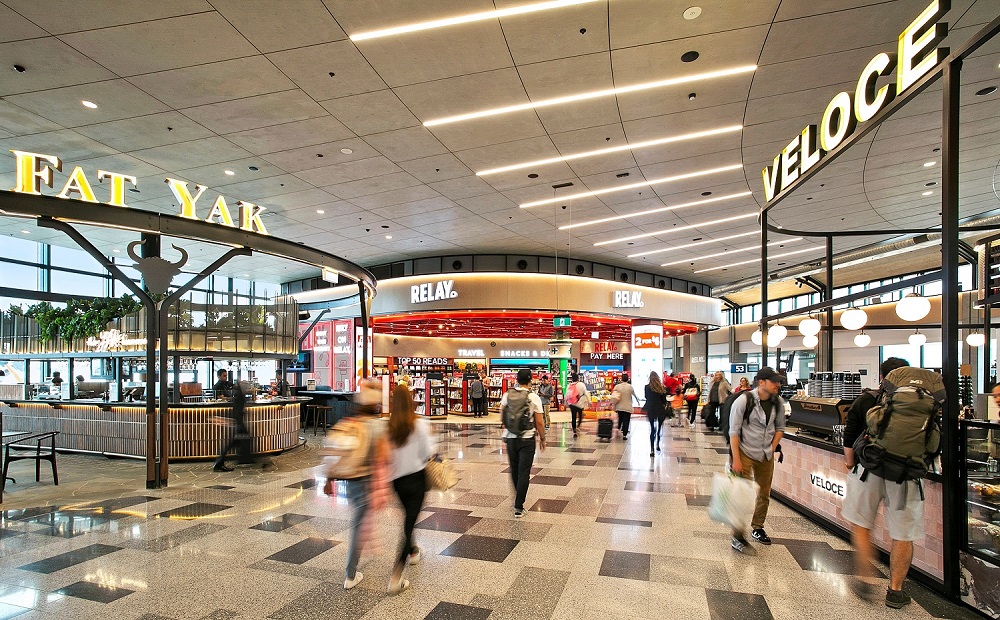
916, 54
33, 170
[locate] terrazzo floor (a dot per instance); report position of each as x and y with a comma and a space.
611, 533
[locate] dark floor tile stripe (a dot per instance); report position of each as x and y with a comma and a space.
70, 558
625, 565
485, 548
281, 523
192, 511
624, 522
725, 605
94, 592
455, 611
303, 551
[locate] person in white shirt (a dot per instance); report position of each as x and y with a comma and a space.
519, 408
412, 446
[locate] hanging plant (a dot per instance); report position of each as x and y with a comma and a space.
81, 318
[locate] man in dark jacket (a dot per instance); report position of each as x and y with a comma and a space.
904, 520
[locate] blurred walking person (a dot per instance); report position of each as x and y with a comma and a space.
412, 447
656, 410
577, 398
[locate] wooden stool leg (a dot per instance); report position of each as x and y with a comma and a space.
38, 461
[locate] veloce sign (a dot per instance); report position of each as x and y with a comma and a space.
916, 55
34, 169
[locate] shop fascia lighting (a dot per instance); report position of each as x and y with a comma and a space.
622, 188
679, 228
755, 260
696, 244
466, 19
696, 203
608, 92
613, 149
717, 254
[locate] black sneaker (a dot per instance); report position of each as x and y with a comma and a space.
897, 599
518, 513
742, 545
761, 536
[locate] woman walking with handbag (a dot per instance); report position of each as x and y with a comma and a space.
656, 410
691, 393
577, 399
412, 448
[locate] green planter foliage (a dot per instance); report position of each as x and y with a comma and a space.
81, 318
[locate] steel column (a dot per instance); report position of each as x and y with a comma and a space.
828, 336
363, 298
763, 288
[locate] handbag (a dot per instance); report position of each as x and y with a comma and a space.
691, 394
733, 500
440, 474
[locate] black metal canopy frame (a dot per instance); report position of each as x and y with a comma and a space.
60, 214
949, 70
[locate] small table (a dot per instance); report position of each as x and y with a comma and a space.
10, 438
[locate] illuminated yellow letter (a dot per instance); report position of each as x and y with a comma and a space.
220, 210
180, 190
810, 154
117, 186
31, 171
78, 183
868, 101
838, 122
790, 163
250, 217
771, 174
915, 56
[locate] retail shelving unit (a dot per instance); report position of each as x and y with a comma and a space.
458, 397
436, 392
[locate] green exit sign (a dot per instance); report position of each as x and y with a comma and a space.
561, 321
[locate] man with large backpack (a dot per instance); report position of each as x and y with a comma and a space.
756, 425
891, 436
523, 420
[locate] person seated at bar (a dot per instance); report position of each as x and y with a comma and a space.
223, 387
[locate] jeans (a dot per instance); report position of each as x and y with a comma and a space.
655, 428
624, 421
357, 499
761, 472
410, 489
520, 455
545, 413
576, 413
692, 410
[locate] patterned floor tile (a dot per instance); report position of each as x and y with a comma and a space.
631, 522
70, 558
549, 505
94, 592
586, 462
278, 524
625, 565
192, 511
303, 551
481, 499
447, 522
483, 548
559, 481
724, 605
454, 611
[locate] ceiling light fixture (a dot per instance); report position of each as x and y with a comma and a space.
608, 92
89, 104
320, 211
809, 326
976, 339
679, 228
927, 193
757, 337
622, 188
346, 151
613, 149
928, 164
229, 173
913, 307
727, 252
862, 339
388, 236
917, 339
853, 318
755, 260
25, 232
683, 205
466, 19
691, 245
810, 341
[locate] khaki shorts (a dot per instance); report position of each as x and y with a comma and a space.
904, 510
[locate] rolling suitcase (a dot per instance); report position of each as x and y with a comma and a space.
604, 427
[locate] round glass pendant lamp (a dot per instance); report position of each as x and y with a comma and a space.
810, 341
862, 339
757, 338
853, 318
776, 333
809, 327
976, 339
917, 339
913, 307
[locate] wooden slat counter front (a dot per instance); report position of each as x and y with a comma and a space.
119, 429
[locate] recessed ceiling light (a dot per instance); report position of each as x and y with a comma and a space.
320, 211
927, 193
116, 251
613, 149
754, 260
621, 188
465, 19
928, 164
19, 69
592, 95
89, 104
388, 236
25, 232
692, 12
346, 151
691, 245
930, 184
679, 228
989, 90
689, 56
229, 173
253, 168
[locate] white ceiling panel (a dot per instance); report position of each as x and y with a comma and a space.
463, 187
133, 134
301, 134
349, 171
14, 27
329, 70
214, 82
256, 112
62, 16
640, 22
562, 33
48, 63
436, 168
373, 112
409, 143
162, 44
273, 26
195, 153
16, 121
115, 100
391, 197
373, 185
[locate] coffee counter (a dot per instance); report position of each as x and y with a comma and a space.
812, 481
196, 430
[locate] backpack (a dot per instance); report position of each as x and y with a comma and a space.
691, 394
516, 414
348, 449
903, 433
726, 408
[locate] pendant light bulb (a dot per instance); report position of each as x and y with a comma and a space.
913, 307
976, 339
776, 333
809, 327
917, 339
862, 339
810, 341
757, 338
853, 318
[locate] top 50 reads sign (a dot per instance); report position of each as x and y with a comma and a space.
35, 169
917, 53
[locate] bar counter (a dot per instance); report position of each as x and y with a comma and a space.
119, 429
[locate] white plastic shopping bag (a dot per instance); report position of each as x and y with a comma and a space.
733, 500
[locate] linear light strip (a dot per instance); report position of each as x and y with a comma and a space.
678, 228
613, 149
756, 260
697, 243
465, 19
728, 252
542, 103
696, 203
622, 188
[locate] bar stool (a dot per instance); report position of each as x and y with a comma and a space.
318, 413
